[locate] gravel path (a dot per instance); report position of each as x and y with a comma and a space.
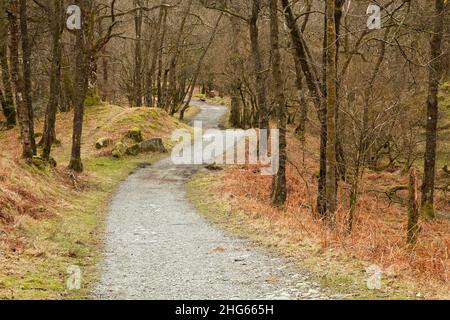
159, 247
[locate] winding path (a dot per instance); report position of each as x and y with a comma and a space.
159, 247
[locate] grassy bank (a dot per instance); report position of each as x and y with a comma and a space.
53, 219
332, 264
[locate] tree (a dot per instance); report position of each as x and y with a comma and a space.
25, 122
434, 78
138, 17
413, 208
7, 100
54, 16
87, 48
331, 109
159, 79
157, 44
26, 59
236, 82
279, 188
81, 86
199, 67
258, 65
303, 58
172, 99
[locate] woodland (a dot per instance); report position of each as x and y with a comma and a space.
358, 89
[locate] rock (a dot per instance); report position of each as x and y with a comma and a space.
135, 134
103, 143
153, 145
119, 150
134, 150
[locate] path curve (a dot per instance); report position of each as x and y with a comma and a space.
158, 247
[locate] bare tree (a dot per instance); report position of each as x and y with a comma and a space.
7, 100
87, 48
331, 109
279, 188
435, 75
138, 19
55, 19
199, 67
81, 86
25, 122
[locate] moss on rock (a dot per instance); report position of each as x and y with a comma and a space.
119, 150
134, 150
135, 134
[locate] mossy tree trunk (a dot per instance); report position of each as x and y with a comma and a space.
279, 188
159, 83
258, 66
138, 18
331, 111
26, 58
17, 80
413, 208
9, 110
172, 96
435, 74
55, 17
81, 85
236, 112
156, 45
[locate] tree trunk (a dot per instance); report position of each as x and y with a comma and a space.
341, 167
160, 62
258, 66
26, 57
301, 128
156, 46
435, 74
279, 188
138, 55
172, 96
331, 111
9, 110
236, 110
17, 80
49, 135
413, 208
81, 84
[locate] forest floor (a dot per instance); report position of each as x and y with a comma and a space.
52, 219
339, 260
